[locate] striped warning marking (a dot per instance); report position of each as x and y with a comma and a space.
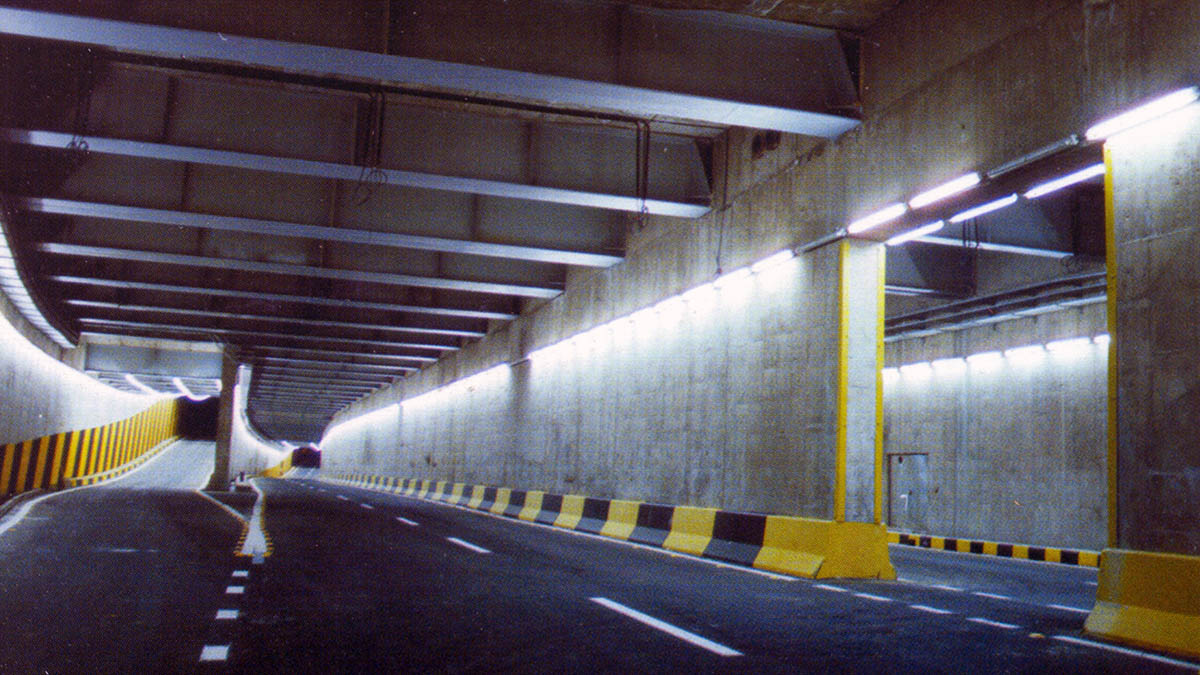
674, 631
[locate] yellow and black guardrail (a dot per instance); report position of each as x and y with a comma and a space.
1065, 556
86, 456
279, 469
792, 545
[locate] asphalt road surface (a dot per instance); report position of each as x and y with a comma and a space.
124, 579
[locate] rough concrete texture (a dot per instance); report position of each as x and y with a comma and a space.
862, 266
1010, 451
43, 395
239, 448
1156, 199
1008, 78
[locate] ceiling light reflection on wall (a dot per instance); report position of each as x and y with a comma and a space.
984, 208
1025, 355
1072, 347
1065, 181
182, 388
878, 218
142, 387
1144, 113
772, 261
952, 365
960, 184
921, 231
1102, 339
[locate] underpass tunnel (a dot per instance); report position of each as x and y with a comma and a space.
895, 274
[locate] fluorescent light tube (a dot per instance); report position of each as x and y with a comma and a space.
185, 391
1065, 181
732, 278
984, 208
138, 383
1144, 113
772, 260
960, 184
913, 234
878, 218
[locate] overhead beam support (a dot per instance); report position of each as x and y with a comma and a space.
996, 247
673, 96
151, 325
274, 318
70, 207
298, 270
352, 173
280, 297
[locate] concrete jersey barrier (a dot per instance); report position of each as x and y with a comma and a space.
793, 545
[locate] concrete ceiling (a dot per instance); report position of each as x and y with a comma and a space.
343, 197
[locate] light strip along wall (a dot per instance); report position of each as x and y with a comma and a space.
86, 456
1029, 354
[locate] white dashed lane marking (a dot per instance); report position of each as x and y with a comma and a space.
235, 590
1065, 608
876, 598
241, 574
467, 545
675, 631
827, 587
366, 506
931, 610
214, 653
406, 521
994, 624
227, 614
993, 596
343, 498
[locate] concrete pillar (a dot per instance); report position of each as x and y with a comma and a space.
858, 491
1150, 576
229, 380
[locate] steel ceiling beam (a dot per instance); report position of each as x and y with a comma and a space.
280, 297
263, 379
335, 352
393, 177
179, 44
297, 270
328, 374
155, 326
71, 207
282, 362
162, 309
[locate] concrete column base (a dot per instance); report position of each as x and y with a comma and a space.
1148, 599
821, 549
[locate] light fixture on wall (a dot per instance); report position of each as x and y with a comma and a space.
916, 233
1065, 181
140, 386
977, 211
948, 189
1144, 113
877, 218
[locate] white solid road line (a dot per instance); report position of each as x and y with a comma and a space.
876, 598
214, 653
827, 587
944, 587
1065, 608
406, 521
931, 610
467, 545
994, 596
994, 624
675, 631
1128, 652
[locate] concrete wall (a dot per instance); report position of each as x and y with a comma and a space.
734, 412
1009, 449
43, 395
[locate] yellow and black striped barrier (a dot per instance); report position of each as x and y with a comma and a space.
1065, 556
86, 456
279, 469
792, 545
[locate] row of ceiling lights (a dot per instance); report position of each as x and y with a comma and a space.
1017, 356
1097, 132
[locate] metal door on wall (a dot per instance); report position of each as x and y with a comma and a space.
908, 493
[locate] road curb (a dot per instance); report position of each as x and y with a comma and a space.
805, 547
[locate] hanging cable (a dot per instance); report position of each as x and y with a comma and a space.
642, 167
371, 176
